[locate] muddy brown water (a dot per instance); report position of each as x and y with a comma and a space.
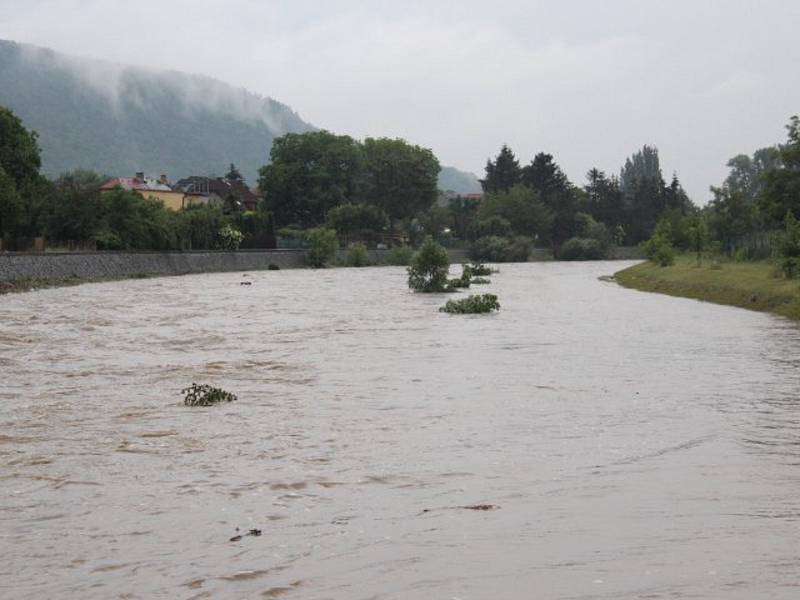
631, 445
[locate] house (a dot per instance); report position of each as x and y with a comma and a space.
155, 189
231, 194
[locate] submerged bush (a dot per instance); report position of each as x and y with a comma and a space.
480, 281
205, 395
429, 267
472, 305
463, 281
479, 269
357, 255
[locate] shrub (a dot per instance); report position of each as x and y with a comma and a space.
491, 248
480, 281
400, 256
495, 225
472, 305
205, 395
357, 255
463, 281
788, 246
658, 249
322, 246
229, 238
273, 267
581, 249
479, 269
429, 267
519, 249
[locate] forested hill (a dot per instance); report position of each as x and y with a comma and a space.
462, 182
119, 119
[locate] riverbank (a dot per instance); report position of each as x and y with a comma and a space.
746, 285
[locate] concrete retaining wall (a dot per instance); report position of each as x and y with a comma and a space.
113, 265
101, 265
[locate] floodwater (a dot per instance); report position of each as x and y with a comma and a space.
632, 445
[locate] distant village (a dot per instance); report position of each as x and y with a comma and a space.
229, 192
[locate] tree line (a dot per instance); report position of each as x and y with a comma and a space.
753, 213
378, 190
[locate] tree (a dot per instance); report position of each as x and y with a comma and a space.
782, 186
747, 174
435, 221
604, 199
402, 179
464, 212
357, 221
234, 174
641, 165
731, 217
503, 173
311, 173
73, 210
521, 207
547, 179
19, 151
19, 171
322, 246
429, 268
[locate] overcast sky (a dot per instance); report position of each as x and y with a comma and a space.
589, 81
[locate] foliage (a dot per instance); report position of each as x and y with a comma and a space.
581, 249
311, 173
495, 225
435, 221
658, 249
789, 247
205, 395
498, 249
400, 256
479, 269
130, 222
357, 255
462, 282
502, 173
481, 304
357, 222
229, 238
429, 268
322, 246
782, 184
521, 207
464, 215
480, 281
401, 178
19, 169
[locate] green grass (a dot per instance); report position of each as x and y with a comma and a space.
751, 285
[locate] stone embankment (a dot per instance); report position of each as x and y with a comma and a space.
54, 267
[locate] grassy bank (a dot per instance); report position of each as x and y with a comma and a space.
747, 285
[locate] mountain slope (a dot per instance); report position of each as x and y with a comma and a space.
118, 119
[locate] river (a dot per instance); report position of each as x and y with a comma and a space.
631, 445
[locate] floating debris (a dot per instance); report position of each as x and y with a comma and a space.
251, 532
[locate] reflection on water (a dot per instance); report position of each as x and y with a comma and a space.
637, 446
